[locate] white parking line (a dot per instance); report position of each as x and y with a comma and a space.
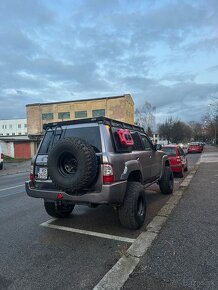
83, 232
3, 189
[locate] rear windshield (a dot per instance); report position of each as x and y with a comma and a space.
171, 151
89, 134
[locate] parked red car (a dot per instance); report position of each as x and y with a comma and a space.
195, 147
177, 158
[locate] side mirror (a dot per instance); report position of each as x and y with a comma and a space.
157, 147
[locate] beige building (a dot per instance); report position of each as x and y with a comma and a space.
119, 108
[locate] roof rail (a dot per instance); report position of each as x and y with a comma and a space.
104, 120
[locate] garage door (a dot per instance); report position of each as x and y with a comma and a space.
22, 150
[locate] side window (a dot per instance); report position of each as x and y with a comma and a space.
181, 152
147, 146
137, 141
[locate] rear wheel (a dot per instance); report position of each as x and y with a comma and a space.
133, 210
58, 209
167, 181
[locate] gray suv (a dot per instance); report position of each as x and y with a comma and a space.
97, 161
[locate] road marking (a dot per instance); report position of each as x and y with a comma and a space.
89, 233
11, 187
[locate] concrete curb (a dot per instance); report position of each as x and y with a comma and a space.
120, 272
16, 172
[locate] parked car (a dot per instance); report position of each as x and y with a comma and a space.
195, 147
1, 158
98, 161
177, 157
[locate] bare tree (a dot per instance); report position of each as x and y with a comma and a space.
175, 131
145, 116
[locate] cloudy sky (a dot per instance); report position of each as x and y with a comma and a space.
163, 52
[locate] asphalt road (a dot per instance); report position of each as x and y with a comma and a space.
37, 257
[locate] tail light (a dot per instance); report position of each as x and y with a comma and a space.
178, 159
2, 155
32, 177
108, 174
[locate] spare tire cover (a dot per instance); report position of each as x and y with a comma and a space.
72, 164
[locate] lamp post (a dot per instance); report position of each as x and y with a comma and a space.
213, 122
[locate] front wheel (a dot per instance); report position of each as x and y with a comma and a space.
166, 182
133, 210
58, 209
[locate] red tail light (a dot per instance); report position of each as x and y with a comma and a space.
178, 159
2, 155
32, 178
108, 174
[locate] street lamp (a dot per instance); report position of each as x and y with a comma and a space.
213, 123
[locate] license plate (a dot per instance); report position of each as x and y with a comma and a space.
43, 173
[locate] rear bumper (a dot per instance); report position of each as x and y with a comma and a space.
110, 194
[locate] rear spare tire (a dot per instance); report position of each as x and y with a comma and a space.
72, 164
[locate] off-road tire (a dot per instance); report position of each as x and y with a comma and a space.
167, 181
133, 210
57, 209
72, 164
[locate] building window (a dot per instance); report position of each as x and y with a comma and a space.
19, 126
4, 126
64, 115
7, 134
47, 116
13, 134
19, 134
25, 125
98, 113
10, 126
81, 114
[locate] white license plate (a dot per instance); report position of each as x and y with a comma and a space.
43, 173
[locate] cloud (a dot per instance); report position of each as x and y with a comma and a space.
163, 52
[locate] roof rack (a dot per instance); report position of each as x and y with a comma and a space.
103, 120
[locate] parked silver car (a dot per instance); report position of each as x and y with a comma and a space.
98, 161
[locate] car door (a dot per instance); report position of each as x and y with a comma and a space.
147, 158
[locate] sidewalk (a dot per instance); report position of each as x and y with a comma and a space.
15, 167
185, 253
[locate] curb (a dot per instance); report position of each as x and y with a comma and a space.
116, 277
11, 173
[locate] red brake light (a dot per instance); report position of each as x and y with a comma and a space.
2, 155
32, 178
108, 174
178, 159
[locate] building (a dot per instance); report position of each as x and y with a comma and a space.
18, 146
158, 140
13, 127
119, 108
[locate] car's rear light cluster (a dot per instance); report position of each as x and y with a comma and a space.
32, 177
2, 155
108, 174
178, 159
